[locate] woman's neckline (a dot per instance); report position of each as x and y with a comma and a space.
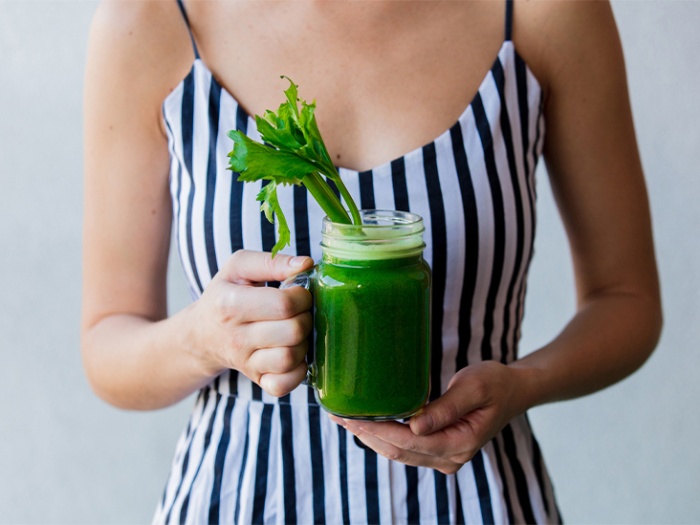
506, 46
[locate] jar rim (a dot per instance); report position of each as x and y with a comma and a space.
394, 220
383, 234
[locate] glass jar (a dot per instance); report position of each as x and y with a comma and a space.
372, 317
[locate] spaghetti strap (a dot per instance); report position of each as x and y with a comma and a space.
181, 5
509, 20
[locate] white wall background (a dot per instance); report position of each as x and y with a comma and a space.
629, 454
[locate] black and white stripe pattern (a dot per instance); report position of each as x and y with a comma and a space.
246, 457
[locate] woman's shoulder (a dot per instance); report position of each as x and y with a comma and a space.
555, 36
142, 46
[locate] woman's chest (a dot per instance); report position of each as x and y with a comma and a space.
386, 77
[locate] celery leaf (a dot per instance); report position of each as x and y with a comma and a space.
254, 161
271, 207
293, 153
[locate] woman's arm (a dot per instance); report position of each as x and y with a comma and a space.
597, 180
134, 356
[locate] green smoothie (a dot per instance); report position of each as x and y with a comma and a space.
372, 320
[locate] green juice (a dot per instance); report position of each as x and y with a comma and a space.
372, 351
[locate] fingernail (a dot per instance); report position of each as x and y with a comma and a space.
423, 423
297, 261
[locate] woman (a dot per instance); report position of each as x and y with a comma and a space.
441, 81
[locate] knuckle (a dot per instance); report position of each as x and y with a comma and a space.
394, 454
287, 359
297, 333
412, 446
222, 306
235, 260
236, 297
268, 384
285, 306
278, 385
461, 458
256, 376
275, 387
236, 257
480, 389
270, 263
276, 390
448, 411
225, 304
237, 341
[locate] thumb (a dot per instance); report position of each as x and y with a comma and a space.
246, 266
442, 412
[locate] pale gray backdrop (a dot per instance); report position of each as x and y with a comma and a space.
629, 454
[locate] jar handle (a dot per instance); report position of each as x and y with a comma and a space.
303, 280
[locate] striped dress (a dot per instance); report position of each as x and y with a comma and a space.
247, 457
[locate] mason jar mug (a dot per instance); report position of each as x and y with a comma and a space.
371, 290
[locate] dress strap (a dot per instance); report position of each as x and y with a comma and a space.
181, 5
509, 20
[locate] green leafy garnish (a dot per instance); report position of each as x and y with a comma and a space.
293, 153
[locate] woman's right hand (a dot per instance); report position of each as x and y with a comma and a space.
136, 354
260, 331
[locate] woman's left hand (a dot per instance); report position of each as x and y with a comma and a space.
479, 401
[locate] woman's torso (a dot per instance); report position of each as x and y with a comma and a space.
472, 179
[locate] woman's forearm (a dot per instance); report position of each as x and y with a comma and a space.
135, 363
610, 336
138, 363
